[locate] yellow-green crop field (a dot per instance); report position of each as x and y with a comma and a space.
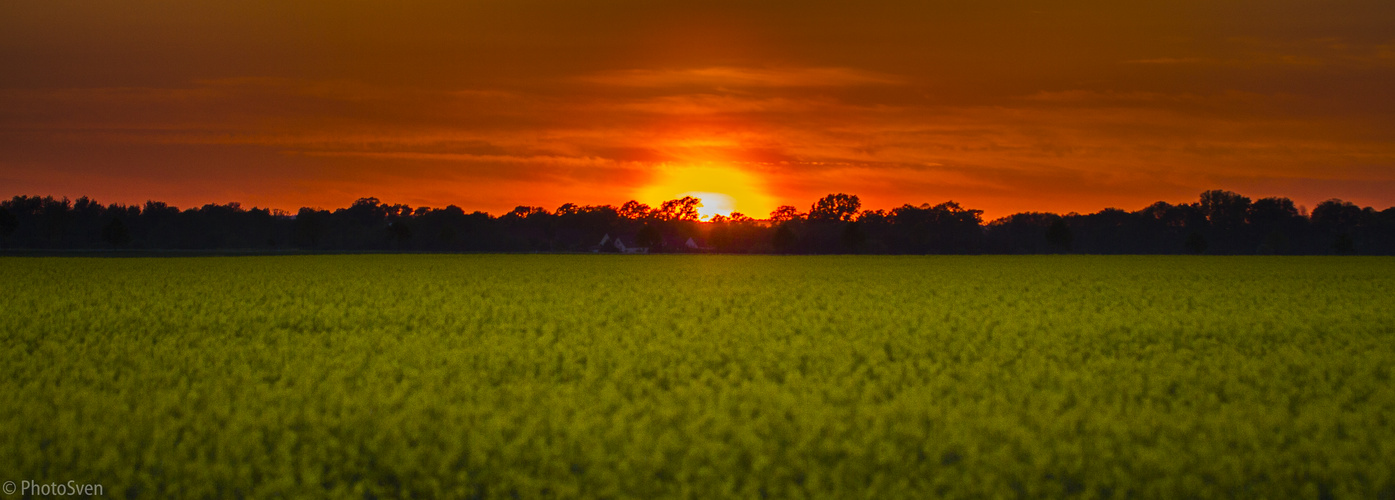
604, 376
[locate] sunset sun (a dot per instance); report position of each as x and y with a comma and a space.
722, 189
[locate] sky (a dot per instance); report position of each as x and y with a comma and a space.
1007, 106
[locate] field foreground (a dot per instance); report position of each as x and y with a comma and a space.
700, 376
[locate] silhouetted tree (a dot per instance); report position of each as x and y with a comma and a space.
738, 234
649, 236
685, 208
876, 226
1224, 208
400, 232
1339, 221
1343, 244
1020, 233
1277, 220
1058, 235
1274, 243
525, 212
8, 224
446, 236
1162, 212
720, 236
529, 228
88, 219
1225, 213
1220, 222
1196, 243
366, 211
115, 233
854, 237
835, 207
50, 218
784, 240
785, 213
309, 227
943, 228
1109, 231
1383, 227
634, 210
1337, 215
567, 209
447, 225
580, 227
1269, 212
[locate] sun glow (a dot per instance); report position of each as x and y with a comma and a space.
713, 203
722, 189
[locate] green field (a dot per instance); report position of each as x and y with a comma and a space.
386, 376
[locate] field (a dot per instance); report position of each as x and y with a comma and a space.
386, 376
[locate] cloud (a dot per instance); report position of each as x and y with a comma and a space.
1169, 60
1310, 53
1058, 144
463, 158
742, 77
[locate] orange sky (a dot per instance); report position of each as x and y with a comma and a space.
1004, 106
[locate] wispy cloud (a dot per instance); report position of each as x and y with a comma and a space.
739, 77
1287, 52
1169, 60
462, 157
806, 131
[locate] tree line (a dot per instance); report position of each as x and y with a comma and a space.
1220, 222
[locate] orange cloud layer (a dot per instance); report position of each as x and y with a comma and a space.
1010, 107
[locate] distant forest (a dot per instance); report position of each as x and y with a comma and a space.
1220, 222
